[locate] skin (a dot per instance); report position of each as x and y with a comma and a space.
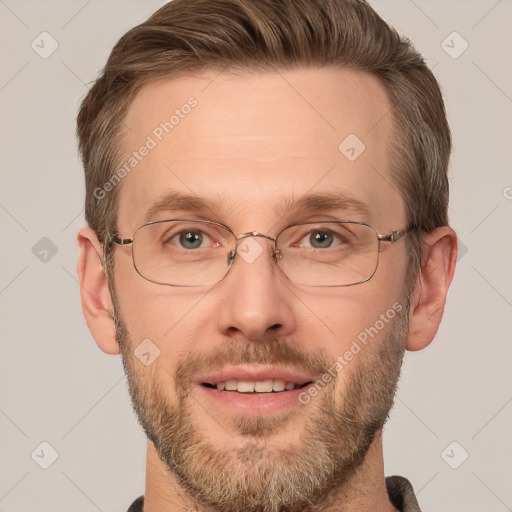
269, 136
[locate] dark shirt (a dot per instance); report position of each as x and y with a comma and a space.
400, 492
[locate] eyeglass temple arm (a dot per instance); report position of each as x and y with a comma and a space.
120, 241
395, 235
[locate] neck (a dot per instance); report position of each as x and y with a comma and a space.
365, 491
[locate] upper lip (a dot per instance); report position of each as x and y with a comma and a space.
254, 374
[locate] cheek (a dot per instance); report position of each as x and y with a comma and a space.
172, 319
352, 325
341, 314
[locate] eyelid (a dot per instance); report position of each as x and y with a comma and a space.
207, 230
321, 222
301, 231
320, 217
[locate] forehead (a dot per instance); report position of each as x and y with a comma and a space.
251, 144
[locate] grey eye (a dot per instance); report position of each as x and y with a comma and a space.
321, 239
190, 239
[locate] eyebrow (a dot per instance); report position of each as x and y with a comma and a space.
309, 203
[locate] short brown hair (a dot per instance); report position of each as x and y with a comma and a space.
190, 35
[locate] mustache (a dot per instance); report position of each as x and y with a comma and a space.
277, 352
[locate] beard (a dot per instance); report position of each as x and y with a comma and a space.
338, 430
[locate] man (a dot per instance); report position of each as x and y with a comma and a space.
266, 195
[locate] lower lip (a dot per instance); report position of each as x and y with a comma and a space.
253, 404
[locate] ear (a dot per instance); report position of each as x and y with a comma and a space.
428, 299
96, 301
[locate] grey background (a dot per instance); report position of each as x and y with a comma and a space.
57, 386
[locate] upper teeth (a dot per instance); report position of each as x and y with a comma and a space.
261, 386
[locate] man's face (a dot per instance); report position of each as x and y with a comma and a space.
253, 146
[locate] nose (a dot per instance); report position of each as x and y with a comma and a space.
254, 300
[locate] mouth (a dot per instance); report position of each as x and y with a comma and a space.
260, 386
252, 390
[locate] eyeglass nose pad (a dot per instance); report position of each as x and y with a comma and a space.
231, 256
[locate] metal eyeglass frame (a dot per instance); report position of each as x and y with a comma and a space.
393, 237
